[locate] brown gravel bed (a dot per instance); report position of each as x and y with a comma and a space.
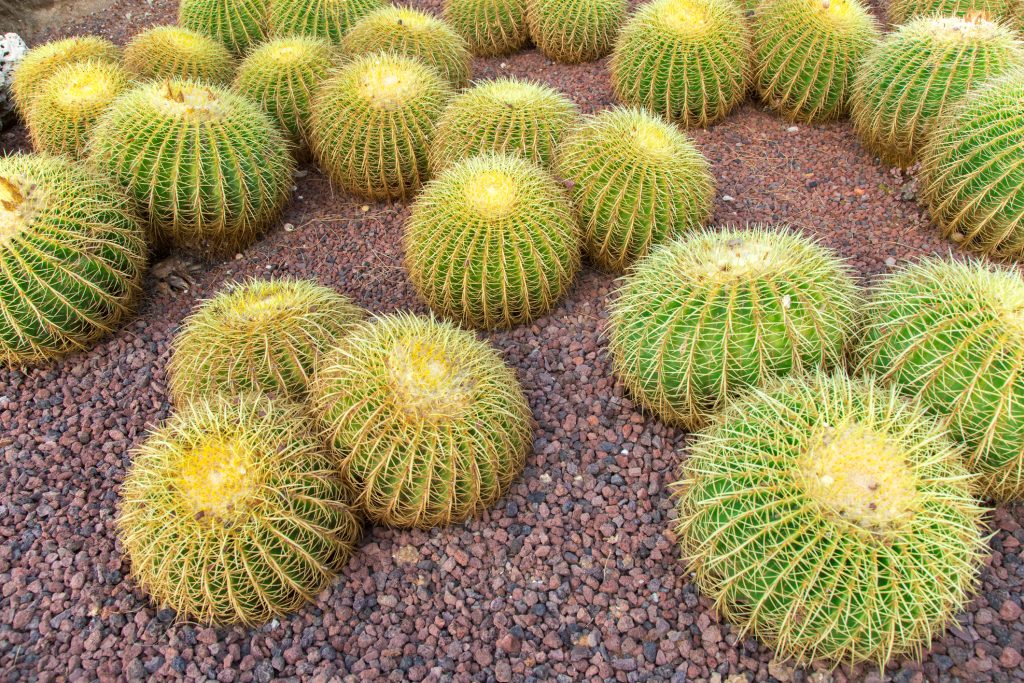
572, 576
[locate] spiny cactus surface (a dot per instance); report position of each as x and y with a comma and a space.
43, 61
239, 24
573, 31
165, 52
327, 19
901, 11
489, 27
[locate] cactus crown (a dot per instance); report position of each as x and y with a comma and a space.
683, 17
388, 85
428, 384
188, 100
86, 86
218, 479
492, 193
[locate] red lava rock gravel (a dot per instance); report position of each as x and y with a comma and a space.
573, 575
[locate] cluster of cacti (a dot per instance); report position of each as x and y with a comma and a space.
414, 34
489, 27
492, 242
239, 24
917, 73
503, 116
71, 258
807, 52
574, 31
209, 169
702, 319
43, 61
687, 60
430, 425
901, 11
832, 519
233, 512
373, 122
972, 170
636, 181
164, 52
327, 19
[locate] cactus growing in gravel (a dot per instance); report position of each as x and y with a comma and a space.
71, 258
702, 319
165, 52
573, 31
232, 512
492, 242
902, 11
43, 61
63, 115
373, 122
687, 60
503, 116
430, 424
952, 334
489, 27
239, 24
327, 19
636, 182
914, 75
972, 170
806, 53
209, 169
832, 519
411, 33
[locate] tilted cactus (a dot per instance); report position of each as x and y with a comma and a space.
43, 61
239, 24
902, 11
164, 52
327, 19
573, 31
489, 27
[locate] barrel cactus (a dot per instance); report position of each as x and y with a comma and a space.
373, 123
233, 512
489, 27
901, 11
411, 33
503, 116
832, 519
43, 61
71, 258
702, 319
574, 31
164, 52
917, 73
687, 60
492, 242
636, 181
327, 19
239, 24
430, 424
807, 52
209, 169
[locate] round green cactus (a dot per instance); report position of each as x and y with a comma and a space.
637, 181
914, 75
430, 424
489, 27
209, 169
832, 519
43, 61
71, 258
492, 242
574, 31
373, 122
264, 335
165, 52
411, 33
239, 24
232, 512
327, 19
503, 116
807, 52
972, 170
952, 334
702, 319
63, 114
687, 60
902, 11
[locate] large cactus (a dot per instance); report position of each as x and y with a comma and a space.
43, 61
239, 24
164, 52
490, 27
574, 31
326, 19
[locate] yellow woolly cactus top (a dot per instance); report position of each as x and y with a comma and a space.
684, 17
976, 27
187, 100
411, 18
217, 479
13, 209
652, 139
737, 258
86, 88
492, 193
428, 384
387, 85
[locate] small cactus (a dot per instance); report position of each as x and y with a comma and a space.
239, 24
489, 27
326, 19
492, 242
430, 424
165, 52
902, 11
574, 31
43, 61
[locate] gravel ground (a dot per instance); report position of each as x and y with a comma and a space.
572, 575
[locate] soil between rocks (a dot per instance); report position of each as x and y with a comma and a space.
573, 575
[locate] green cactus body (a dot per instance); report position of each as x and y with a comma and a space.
414, 34
952, 334
702, 319
687, 60
503, 116
902, 11
914, 75
431, 426
233, 513
373, 122
972, 170
45, 60
806, 53
327, 19
209, 169
239, 24
574, 31
832, 519
489, 27
71, 258
492, 242
637, 181
165, 52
